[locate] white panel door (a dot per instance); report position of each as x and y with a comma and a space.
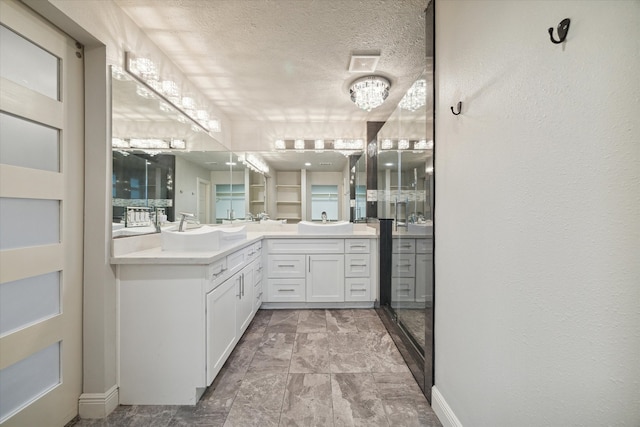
41, 220
325, 278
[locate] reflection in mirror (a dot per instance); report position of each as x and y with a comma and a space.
299, 185
405, 163
162, 164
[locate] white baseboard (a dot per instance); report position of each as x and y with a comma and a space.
443, 410
98, 405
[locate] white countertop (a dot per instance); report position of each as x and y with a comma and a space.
154, 254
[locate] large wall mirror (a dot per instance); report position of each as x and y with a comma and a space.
405, 160
162, 164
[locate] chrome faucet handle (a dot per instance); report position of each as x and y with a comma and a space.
184, 216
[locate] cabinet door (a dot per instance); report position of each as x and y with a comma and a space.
325, 278
244, 310
221, 325
424, 269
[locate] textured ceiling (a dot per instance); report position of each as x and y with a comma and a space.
286, 61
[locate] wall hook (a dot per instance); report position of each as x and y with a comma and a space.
563, 29
459, 106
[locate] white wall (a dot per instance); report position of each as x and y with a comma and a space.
538, 213
186, 185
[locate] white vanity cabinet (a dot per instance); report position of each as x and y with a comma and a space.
180, 322
358, 270
424, 270
412, 266
313, 272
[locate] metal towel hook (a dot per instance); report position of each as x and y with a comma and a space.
563, 29
459, 106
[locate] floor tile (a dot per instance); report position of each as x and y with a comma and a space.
369, 324
259, 401
356, 401
310, 321
350, 373
307, 401
273, 354
403, 401
341, 321
283, 321
310, 354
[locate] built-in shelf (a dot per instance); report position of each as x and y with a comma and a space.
289, 195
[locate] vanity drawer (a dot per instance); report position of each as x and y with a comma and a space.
257, 296
216, 273
403, 265
357, 289
424, 246
357, 246
286, 290
286, 266
403, 246
305, 246
236, 260
403, 289
357, 265
254, 251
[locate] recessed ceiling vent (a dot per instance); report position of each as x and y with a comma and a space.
325, 163
363, 63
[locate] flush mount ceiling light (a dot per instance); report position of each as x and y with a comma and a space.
416, 96
369, 92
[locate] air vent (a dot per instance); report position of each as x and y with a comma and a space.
325, 163
363, 63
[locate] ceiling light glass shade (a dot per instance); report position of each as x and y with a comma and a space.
319, 144
339, 144
170, 89
403, 144
416, 96
256, 163
188, 103
119, 74
214, 125
144, 68
148, 143
386, 144
298, 144
119, 143
280, 144
420, 145
369, 92
178, 144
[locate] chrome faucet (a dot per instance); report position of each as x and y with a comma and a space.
249, 216
184, 216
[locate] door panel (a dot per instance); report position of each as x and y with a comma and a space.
41, 209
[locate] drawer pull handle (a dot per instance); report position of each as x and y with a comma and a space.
358, 265
358, 246
286, 265
287, 290
222, 270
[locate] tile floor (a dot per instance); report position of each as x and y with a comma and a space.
300, 368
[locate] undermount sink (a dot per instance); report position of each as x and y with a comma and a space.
423, 228
341, 227
201, 239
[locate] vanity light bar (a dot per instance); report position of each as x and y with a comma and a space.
405, 144
320, 144
148, 144
144, 71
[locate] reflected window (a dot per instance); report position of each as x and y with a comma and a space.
324, 198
